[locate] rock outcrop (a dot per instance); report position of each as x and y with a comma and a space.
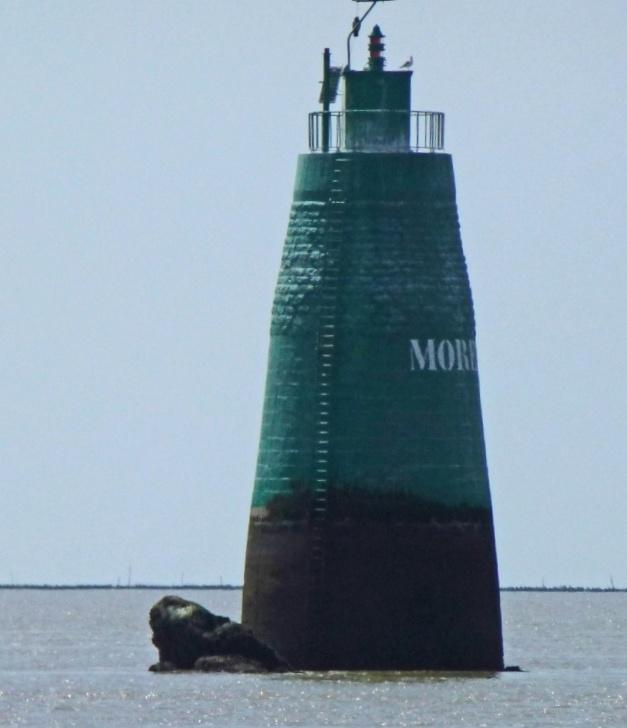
190, 637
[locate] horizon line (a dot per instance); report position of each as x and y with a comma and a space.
236, 587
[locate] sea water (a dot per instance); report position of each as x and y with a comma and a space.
80, 658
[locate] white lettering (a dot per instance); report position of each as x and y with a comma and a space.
473, 355
463, 364
446, 355
420, 357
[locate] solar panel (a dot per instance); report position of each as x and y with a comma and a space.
333, 84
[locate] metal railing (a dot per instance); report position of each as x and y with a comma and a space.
424, 130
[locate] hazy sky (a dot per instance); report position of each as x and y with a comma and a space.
148, 155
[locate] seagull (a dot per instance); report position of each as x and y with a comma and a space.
409, 63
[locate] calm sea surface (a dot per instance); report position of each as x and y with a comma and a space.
80, 658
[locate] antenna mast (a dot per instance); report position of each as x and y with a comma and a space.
357, 27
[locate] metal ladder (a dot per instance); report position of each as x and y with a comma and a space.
326, 353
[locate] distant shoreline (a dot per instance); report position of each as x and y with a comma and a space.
121, 587
595, 589
238, 587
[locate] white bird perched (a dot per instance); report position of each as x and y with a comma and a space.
409, 63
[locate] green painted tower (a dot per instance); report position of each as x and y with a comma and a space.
371, 542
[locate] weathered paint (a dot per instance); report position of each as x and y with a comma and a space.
393, 566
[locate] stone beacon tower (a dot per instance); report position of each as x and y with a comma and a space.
371, 542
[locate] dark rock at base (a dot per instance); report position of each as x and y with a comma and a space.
186, 633
178, 628
228, 663
163, 667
